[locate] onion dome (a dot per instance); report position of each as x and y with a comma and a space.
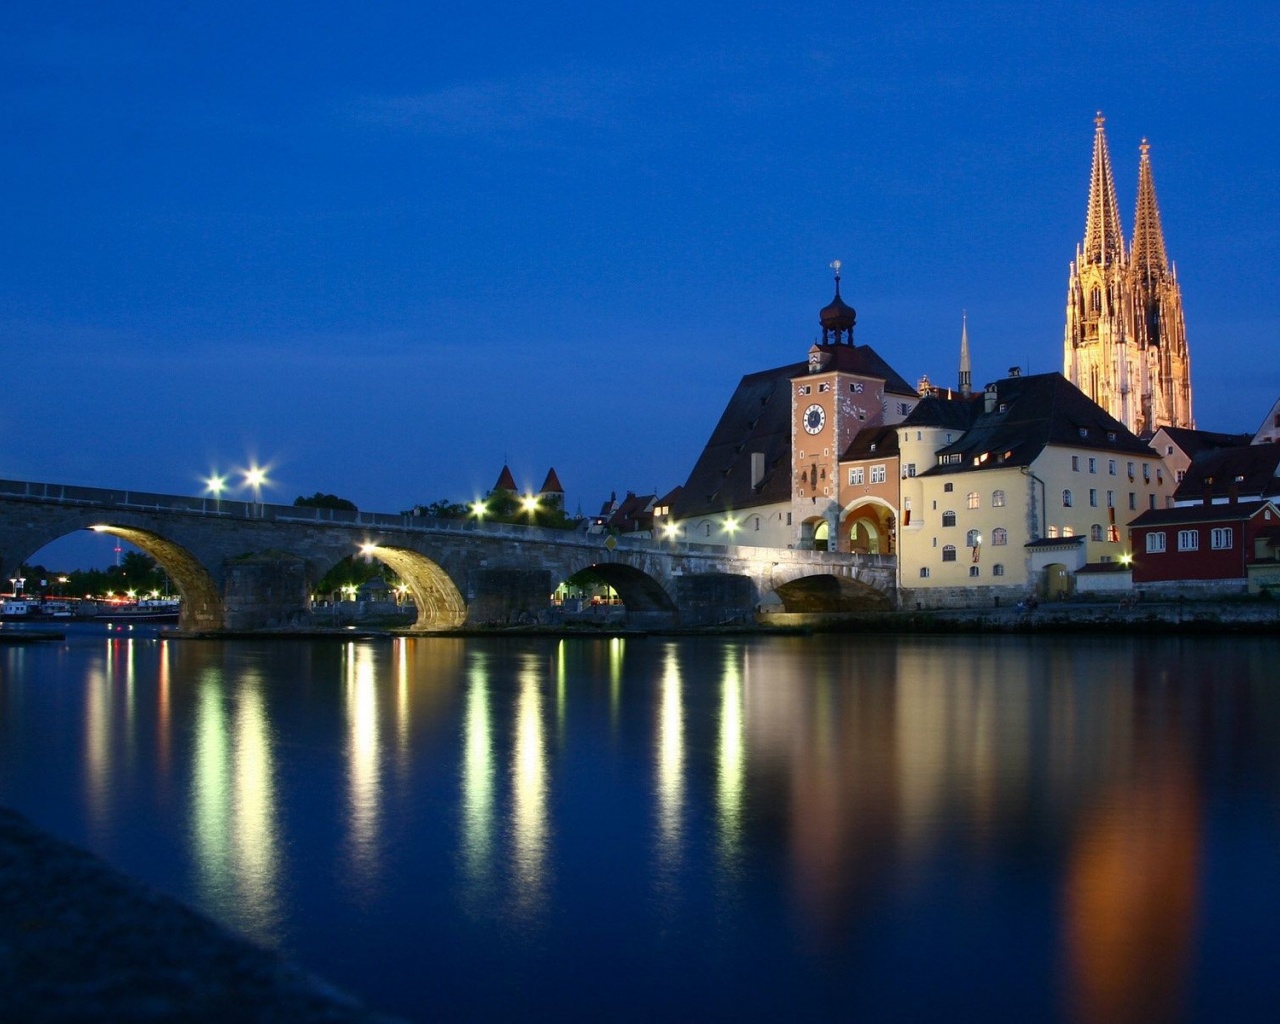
838, 317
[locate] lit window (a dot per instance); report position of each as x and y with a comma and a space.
997, 499
1113, 534
948, 518
973, 499
1068, 531
1188, 540
1220, 537
999, 536
948, 553
1155, 542
971, 539
1053, 533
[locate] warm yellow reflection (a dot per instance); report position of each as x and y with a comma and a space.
670, 760
617, 650
237, 848
529, 791
477, 773
97, 746
363, 771
732, 755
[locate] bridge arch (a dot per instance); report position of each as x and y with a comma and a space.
440, 604
825, 592
201, 607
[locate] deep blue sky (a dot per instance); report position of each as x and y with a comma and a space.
380, 247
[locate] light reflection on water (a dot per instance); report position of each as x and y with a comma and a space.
1062, 831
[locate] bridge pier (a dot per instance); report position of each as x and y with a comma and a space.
507, 596
265, 591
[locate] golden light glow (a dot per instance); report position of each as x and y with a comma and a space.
731, 526
732, 759
477, 774
529, 792
368, 548
215, 484
671, 529
670, 759
529, 503
478, 509
364, 762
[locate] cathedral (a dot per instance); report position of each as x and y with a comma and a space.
1126, 343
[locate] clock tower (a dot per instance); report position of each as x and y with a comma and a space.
831, 401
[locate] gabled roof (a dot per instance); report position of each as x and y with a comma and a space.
1192, 442
1248, 471
872, 443
864, 361
947, 413
1029, 414
1181, 515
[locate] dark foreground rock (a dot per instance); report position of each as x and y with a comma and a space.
81, 942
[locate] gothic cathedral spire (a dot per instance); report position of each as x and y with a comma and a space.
1125, 341
966, 368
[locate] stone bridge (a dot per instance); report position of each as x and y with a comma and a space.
248, 565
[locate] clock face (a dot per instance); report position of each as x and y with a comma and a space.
814, 418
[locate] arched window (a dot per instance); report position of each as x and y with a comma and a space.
973, 499
948, 552
924, 572
1066, 499
1053, 532
1068, 531
972, 539
948, 518
999, 536
1095, 299
997, 569
997, 499
1095, 531
975, 570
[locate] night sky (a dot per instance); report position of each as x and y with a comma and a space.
380, 248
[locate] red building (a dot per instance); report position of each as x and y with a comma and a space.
1227, 542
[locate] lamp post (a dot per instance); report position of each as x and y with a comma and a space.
215, 484
255, 478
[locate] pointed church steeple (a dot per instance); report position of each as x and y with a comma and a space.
1148, 258
966, 369
1103, 238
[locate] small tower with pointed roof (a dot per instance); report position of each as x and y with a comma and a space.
838, 317
966, 368
551, 494
506, 482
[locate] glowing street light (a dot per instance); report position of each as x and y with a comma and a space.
671, 530
478, 509
529, 504
255, 478
215, 484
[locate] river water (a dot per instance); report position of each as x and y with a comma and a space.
869, 828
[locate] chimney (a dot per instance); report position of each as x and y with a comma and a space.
1015, 371
989, 399
757, 469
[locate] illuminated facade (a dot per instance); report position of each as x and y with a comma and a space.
1125, 343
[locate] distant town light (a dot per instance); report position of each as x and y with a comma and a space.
215, 484
478, 509
368, 548
529, 503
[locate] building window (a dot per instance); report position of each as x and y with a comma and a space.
1159, 475
972, 539
1151, 501
1111, 499
1188, 540
877, 474
1075, 463
1129, 469
823, 387
975, 570
997, 499
1068, 531
948, 552
1133, 502
1095, 531
948, 487
948, 518
1093, 465
1113, 533
924, 572
1155, 542
1093, 497
1220, 537
1111, 466
973, 499
999, 536
855, 475
1052, 533
1168, 449
1146, 472
997, 569
788, 518
1066, 499
1181, 475
911, 469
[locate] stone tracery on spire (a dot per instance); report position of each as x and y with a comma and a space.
1103, 237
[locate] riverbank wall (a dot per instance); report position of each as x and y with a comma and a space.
80, 942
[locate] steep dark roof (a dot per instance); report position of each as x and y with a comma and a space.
948, 413
757, 419
872, 443
551, 485
1192, 442
865, 362
1250, 471
1029, 414
506, 482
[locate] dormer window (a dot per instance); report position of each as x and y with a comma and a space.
1084, 431
1111, 435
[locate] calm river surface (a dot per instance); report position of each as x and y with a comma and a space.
879, 829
